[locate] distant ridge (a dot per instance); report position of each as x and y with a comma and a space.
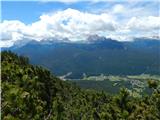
98, 55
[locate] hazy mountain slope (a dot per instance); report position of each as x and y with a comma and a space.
98, 56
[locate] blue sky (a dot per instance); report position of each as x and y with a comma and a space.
30, 11
77, 19
22, 10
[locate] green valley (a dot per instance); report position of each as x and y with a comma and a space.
136, 84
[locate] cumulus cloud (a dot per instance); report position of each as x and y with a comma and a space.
69, 23
145, 23
75, 25
10, 29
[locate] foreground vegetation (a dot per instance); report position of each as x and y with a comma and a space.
33, 93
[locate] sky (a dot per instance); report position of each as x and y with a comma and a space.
39, 20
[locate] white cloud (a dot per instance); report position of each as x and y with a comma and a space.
76, 25
118, 8
145, 23
68, 23
10, 29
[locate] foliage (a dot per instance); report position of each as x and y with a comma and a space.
33, 93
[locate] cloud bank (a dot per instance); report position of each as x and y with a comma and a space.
77, 25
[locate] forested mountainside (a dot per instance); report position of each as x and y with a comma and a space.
100, 55
33, 93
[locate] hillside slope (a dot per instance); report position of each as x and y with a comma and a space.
32, 93
98, 56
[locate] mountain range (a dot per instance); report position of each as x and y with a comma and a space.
93, 56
